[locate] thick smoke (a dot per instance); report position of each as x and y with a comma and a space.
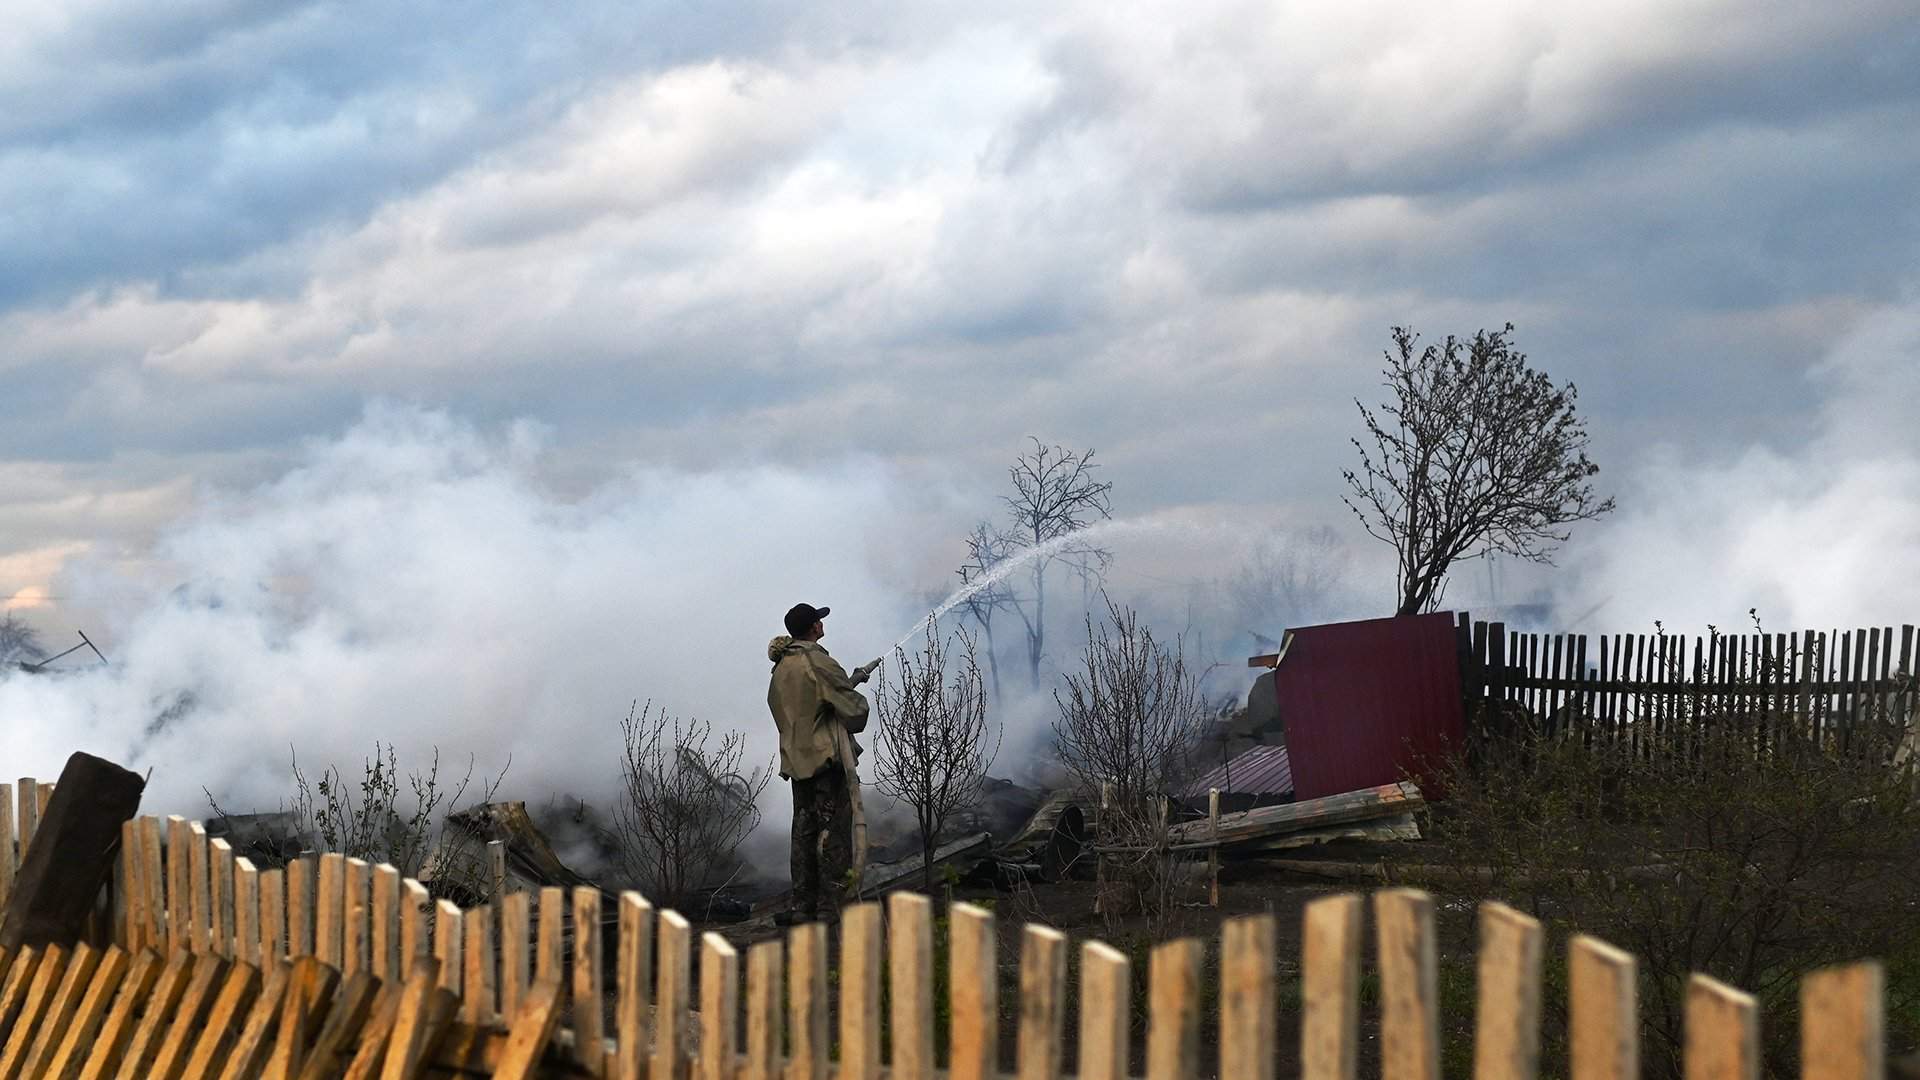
416, 582
1819, 535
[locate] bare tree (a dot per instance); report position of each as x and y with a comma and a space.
986, 550
684, 809
1477, 453
1128, 719
1054, 496
1292, 577
19, 641
935, 744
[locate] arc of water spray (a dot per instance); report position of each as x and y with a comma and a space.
1005, 568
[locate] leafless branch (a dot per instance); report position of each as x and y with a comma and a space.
935, 743
1128, 718
1476, 453
1055, 495
684, 809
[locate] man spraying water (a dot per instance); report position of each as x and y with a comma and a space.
818, 711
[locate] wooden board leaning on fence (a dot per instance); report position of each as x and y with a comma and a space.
352, 971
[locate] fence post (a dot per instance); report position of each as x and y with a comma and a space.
1105, 1008
1330, 988
719, 997
1043, 978
179, 885
383, 942
153, 879
28, 822
220, 892
974, 995
763, 1012
589, 1025
1213, 853
299, 886
356, 930
516, 950
1602, 1012
132, 892
1409, 982
635, 959
478, 983
1722, 1032
1843, 1023
200, 898
275, 945
1506, 1042
806, 1000
910, 981
246, 916
1173, 1011
675, 974
448, 935
6, 843
548, 961
1248, 998
329, 924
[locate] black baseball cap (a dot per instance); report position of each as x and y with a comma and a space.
801, 617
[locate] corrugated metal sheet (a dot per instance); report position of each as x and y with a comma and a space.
1369, 703
1262, 770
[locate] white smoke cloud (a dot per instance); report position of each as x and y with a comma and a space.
416, 582
1816, 536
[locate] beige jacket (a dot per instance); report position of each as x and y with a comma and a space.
809, 694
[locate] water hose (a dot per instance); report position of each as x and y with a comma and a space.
843, 749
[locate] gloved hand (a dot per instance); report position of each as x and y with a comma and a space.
865, 671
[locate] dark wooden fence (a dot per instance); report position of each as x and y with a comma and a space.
1819, 683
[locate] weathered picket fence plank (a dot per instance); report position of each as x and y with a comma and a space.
1043, 978
1330, 989
1506, 1044
1603, 1012
910, 984
632, 1013
974, 992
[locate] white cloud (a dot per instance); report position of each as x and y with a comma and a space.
1819, 538
1174, 232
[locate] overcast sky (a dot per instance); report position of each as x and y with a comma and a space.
704, 237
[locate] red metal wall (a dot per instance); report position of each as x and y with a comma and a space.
1369, 703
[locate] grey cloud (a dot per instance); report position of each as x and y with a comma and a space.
1246, 108
149, 143
1180, 256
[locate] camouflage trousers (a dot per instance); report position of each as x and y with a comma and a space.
822, 842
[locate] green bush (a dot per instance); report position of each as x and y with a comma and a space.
1734, 847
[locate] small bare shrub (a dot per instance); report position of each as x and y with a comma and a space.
684, 808
387, 817
932, 747
1127, 722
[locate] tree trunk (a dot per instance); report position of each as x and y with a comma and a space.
1037, 632
993, 665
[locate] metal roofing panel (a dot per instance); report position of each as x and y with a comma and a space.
1261, 770
1370, 703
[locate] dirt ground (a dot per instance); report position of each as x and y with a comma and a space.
1253, 886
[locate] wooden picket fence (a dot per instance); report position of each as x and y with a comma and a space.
332, 968
1822, 684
